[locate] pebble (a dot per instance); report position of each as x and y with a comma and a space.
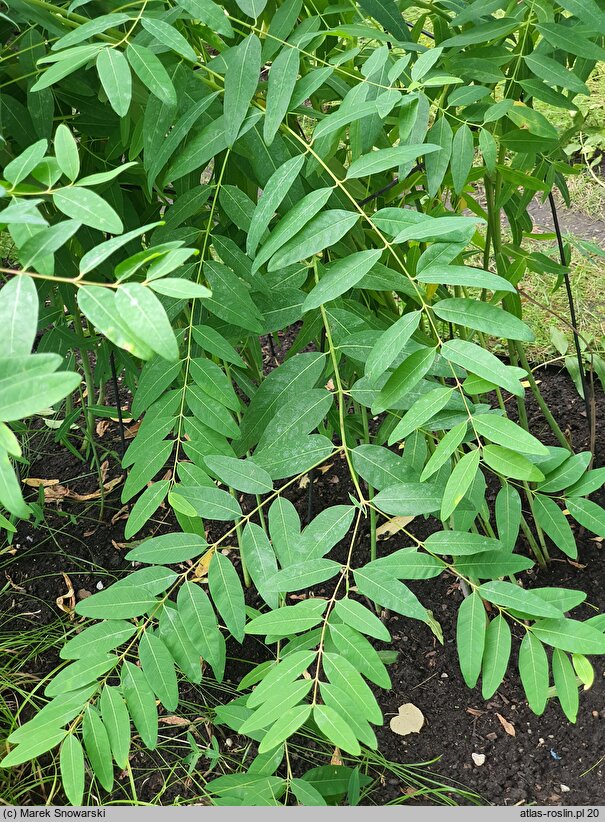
564, 788
99, 585
478, 759
444, 676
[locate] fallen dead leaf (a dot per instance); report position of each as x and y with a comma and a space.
35, 482
336, 758
67, 602
508, 726
323, 469
121, 514
202, 565
83, 593
173, 720
409, 720
119, 546
393, 526
304, 482
131, 431
101, 427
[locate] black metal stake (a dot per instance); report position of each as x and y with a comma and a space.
572, 311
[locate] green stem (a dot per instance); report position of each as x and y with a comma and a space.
532, 542
366, 437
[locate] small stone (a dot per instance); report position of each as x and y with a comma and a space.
564, 788
444, 676
541, 740
99, 586
595, 714
229, 742
491, 736
479, 759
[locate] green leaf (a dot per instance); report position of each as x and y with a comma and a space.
145, 315
505, 432
447, 446
123, 602
335, 729
386, 158
69, 61
257, 553
282, 79
210, 14
116, 79
97, 747
566, 474
291, 223
381, 588
463, 275
282, 699
242, 474
410, 499
533, 669
150, 71
408, 563
348, 681
470, 637
554, 523
158, 668
32, 748
346, 707
511, 595
388, 15
339, 276
116, 720
44, 243
554, 74
288, 724
510, 464
98, 638
422, 411
167, 35
496, 656
141, 703
380, 467
570, 635
227, 594
390, 344
20, 168
565, 684
241, 78
211, 503
210, 340
459, 482
304, 575
588, 514
297, 374
356, 615
356, 648
230, 299
145, 506
483, 316
306, 794
321, 232
196, 612
11, 495
291, 619
460, 543
180, 289
66, 152
18, 315
404, 378
463, 154
508, 515
274, 192
492, 564
22, 396
101, 252
71, 762
87, 207
482, 363
439, 134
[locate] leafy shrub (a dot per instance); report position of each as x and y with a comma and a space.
182, 180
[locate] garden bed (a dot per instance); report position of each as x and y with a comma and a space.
546, 761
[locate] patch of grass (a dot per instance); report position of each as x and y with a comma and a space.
551, 308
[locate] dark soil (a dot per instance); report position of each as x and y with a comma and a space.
543, 763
